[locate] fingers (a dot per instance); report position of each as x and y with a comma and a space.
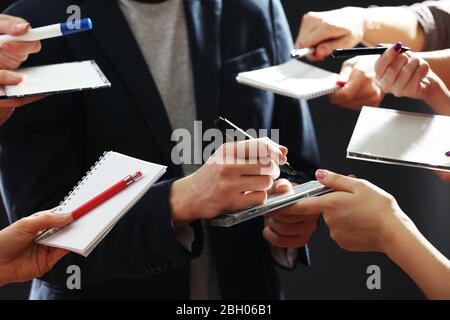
249, 169
292, 229
415, 80
249, 199
351, 89
281, 241
292, 216
282, 186
13, 25
43, 220
12, 54
325, 49
252, 183
308, 207
253, 149
404, 76
336, 181
387, 59
21, 49
15, 103
10, 78
392, 72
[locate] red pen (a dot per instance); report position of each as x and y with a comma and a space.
97, 200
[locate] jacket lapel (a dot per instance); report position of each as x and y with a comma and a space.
203, 23
116, 41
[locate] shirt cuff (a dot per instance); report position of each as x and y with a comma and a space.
286, 258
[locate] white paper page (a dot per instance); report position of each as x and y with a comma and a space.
421, 140
58, 78
82, 234
294, 79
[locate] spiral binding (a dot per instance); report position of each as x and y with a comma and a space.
82, 181
322, 93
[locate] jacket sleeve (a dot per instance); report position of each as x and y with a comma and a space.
40, 162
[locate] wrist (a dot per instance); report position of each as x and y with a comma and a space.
181, 203
396, 233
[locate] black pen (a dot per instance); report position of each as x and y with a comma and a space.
350, 53
223, 124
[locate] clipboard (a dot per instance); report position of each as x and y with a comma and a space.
56, 79
301, 192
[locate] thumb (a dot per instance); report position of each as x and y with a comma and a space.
10, 78
325, 49
13, 26
336, 181
44, 220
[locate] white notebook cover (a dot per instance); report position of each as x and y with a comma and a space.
403, 138
294, 79
83, 235
57, 78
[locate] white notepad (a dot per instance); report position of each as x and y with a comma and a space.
403, 138
84, 234
57, 78
293, 79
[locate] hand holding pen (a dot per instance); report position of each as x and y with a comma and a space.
224, 125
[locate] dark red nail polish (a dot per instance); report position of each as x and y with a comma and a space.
341, 83
447, 153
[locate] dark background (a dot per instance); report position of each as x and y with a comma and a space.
336, 274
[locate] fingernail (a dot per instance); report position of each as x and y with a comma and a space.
21, 26
321, 174
398, 46
447, 153
16, 76
341, 83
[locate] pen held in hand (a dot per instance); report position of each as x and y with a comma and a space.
223, 124
353, 52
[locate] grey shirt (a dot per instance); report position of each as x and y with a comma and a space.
161, 33
434, 17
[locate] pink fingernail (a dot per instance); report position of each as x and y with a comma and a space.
321, 174
21, 26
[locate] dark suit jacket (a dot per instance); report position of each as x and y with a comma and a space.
47, 147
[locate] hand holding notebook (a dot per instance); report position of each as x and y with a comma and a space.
294, 79
84, 234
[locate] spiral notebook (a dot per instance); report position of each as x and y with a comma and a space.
401, 138
55, 79
294, 79
84, 234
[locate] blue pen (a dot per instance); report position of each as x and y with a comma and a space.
52, 31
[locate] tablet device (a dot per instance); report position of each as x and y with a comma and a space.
275, 202
56, 78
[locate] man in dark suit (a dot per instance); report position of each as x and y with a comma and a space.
47, 147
